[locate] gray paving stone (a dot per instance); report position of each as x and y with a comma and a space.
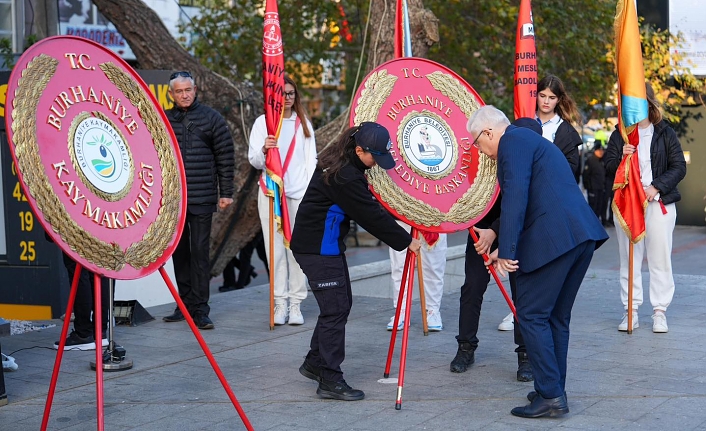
642, 381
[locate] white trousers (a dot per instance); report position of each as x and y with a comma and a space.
433, 268
290, 282
657, 247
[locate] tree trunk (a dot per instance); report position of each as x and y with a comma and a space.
240, 104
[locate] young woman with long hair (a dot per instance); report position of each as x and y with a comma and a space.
557, 113
297, 150
662, 167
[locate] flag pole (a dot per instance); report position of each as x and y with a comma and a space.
405, 328
400, 297
494, 273
272, 263
631, 268
422, 294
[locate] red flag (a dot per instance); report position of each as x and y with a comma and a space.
525, 63
629, 202
273, 91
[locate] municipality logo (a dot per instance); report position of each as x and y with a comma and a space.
104, 162
428, 145
101, 156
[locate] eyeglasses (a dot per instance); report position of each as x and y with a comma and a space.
475, 143
183, 73
290, 94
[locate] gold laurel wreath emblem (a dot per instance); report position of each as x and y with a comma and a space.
154, 242
474, 201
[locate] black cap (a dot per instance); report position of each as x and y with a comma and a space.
529, 123
597, 145
375, 139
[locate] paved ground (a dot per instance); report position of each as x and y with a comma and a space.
616, 381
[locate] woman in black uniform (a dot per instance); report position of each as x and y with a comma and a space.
338, 193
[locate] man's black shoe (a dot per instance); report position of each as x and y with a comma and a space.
540, 407
524, 368
338, 391
465, 356
203, 322
174, 317
309, 371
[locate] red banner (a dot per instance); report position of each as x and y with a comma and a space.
440, 182
525, 64
114, 198
273, 91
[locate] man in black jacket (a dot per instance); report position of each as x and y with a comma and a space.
207, 151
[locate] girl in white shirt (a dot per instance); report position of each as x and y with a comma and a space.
298, 163
556, 111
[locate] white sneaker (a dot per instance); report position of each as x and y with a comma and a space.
508, 323
400, 324
295, 315
624, 324
280, 314
659, 322
434, 321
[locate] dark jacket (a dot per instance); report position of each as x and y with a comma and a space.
667, 160
207, 151
567, 139
594, 174
324, 215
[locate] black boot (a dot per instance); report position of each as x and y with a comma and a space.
465, 356
524, 368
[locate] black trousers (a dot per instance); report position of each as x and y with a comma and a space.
191, 264
597, 202
331, 285
472, 291
83, 305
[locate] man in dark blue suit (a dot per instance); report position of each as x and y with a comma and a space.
548, 234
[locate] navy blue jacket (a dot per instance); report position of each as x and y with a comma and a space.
325, 213
543, 213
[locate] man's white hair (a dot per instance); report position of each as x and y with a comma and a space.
181, 78
487, 117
